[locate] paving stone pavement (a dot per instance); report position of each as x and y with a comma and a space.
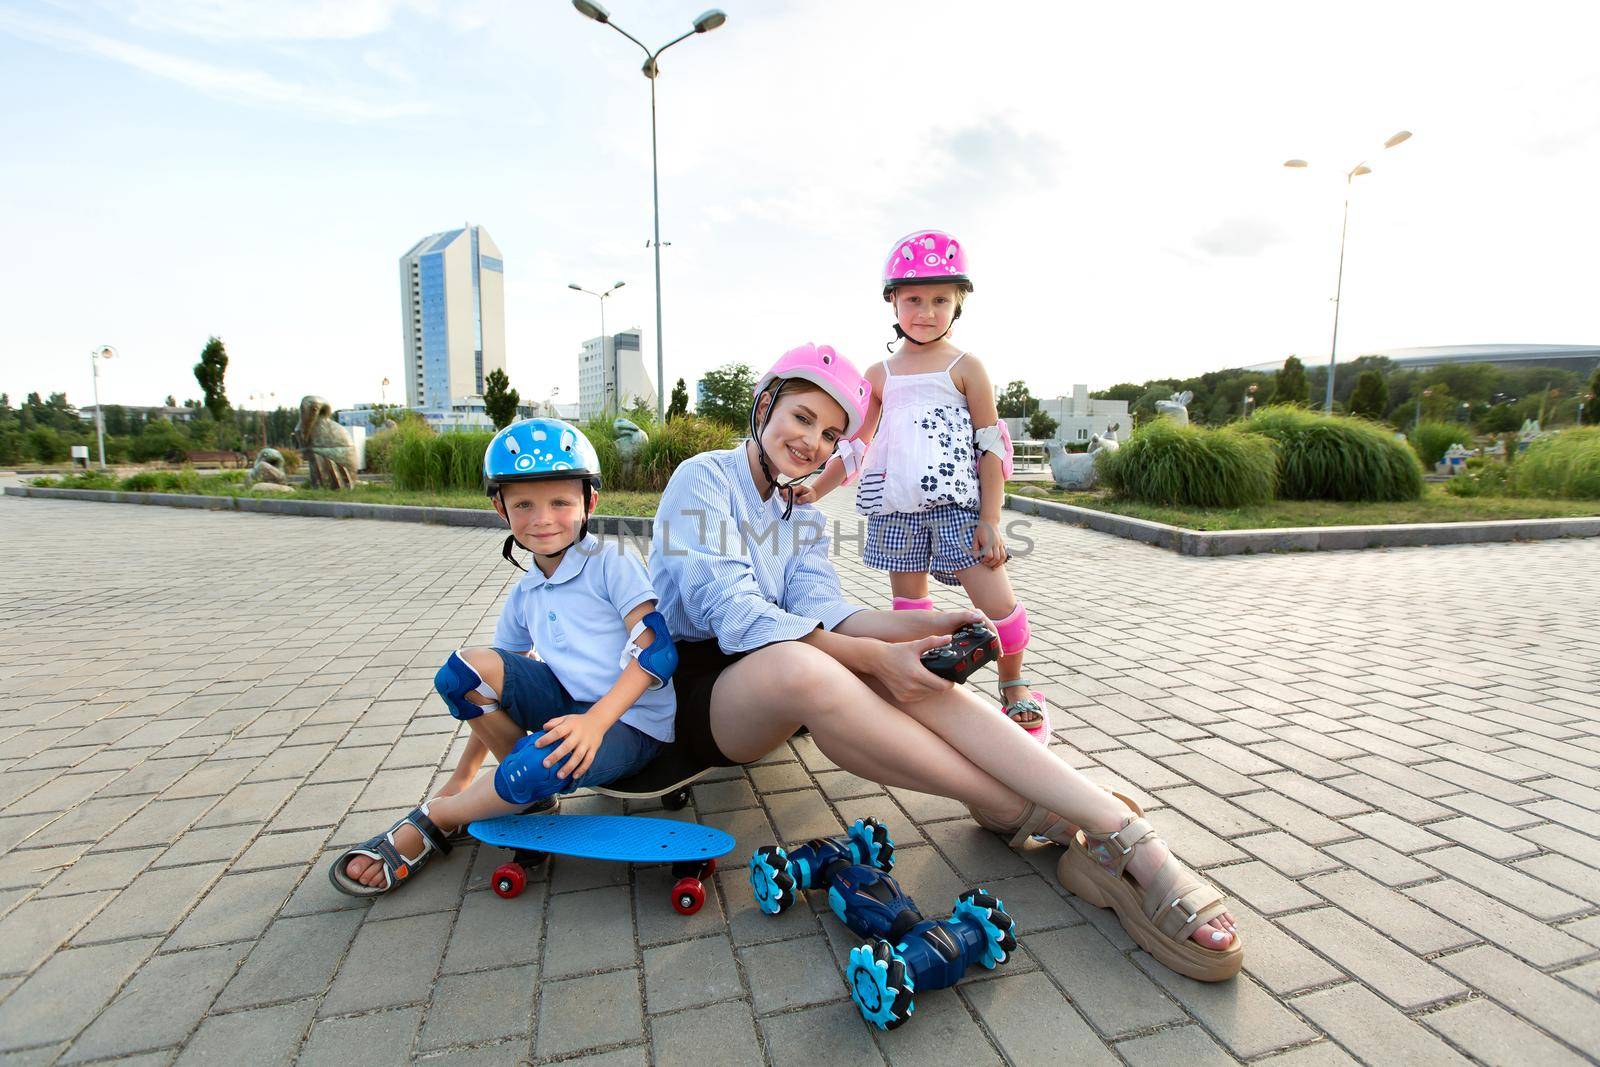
1389, 759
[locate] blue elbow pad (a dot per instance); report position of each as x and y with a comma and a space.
455, 680
661, 658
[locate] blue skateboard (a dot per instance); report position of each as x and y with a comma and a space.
692, 849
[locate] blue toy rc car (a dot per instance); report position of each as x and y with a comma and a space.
906, 952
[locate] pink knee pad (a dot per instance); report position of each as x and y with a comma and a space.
1013, 630
905, 603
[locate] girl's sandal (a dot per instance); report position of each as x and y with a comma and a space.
1161, 917
396, 868
1033, 822
1032, 703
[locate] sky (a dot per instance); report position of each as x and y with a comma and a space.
172, 169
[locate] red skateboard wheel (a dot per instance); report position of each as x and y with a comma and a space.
509, 880
688, 895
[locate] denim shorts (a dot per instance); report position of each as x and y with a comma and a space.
937, 541
532, 695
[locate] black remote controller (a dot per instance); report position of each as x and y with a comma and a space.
971, 648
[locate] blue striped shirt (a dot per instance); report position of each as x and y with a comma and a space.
725, 565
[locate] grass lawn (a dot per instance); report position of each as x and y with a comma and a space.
1435, 506
611, 503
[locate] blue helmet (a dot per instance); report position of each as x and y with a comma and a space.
535, 449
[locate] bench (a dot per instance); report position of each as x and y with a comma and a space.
221, 459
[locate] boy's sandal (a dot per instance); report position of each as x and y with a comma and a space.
396, 868
1033, 822
1032, 703
1161, 917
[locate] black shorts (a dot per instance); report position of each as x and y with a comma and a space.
700, 664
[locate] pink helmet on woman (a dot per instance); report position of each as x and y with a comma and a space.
829, 371
926, 257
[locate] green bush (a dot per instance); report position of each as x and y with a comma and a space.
1565, 465
1188, 466
1332, 457
380, 450
422, 460
1491, 479
673, 442
143, 482
1433, 439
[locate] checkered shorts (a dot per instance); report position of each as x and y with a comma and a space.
937, 541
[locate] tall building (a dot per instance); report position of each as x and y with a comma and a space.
611, 375
453, 305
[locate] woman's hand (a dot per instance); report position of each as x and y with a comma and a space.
579, 737
948, 622
899, 667
987, 544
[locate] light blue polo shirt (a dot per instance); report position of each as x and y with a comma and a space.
574, 619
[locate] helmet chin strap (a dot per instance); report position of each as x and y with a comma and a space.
583, 532
786, 488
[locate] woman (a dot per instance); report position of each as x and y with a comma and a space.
767, 644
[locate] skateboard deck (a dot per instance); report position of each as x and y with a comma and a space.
624, 838
669, 775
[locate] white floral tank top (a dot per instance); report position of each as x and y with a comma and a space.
922, 454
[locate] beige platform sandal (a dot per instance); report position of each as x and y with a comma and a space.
1161, 917
1033, 822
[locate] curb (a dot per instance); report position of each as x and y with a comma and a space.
607, 525
1304, 538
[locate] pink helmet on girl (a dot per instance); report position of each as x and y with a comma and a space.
829, 371
926, 257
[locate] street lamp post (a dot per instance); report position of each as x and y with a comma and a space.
616, 371
705, 23
1350, 176
261, 416
95, 356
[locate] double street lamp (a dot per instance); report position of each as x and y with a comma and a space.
95, 356
1350, 176
705, 23
615, 371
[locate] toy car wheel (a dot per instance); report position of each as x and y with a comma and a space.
509, 880
879, 985
688, 896
770, 881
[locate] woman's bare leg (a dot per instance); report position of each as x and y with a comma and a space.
980, 733
852, 725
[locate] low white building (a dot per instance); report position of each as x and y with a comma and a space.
1079, 417
612, 375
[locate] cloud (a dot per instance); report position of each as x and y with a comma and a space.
1240, 237
228, 82
250, 20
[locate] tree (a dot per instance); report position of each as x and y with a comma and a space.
1371, 396
116, 419
726, 394
499, 399
171, 401
1041, 427
1291, 384
1591, 406
679, 404
1124, 391
1016, 402
209, 373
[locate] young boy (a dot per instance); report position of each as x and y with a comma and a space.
597, 703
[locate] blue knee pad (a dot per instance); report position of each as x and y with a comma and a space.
522, 776
455, 680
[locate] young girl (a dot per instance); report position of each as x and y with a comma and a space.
934, 477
